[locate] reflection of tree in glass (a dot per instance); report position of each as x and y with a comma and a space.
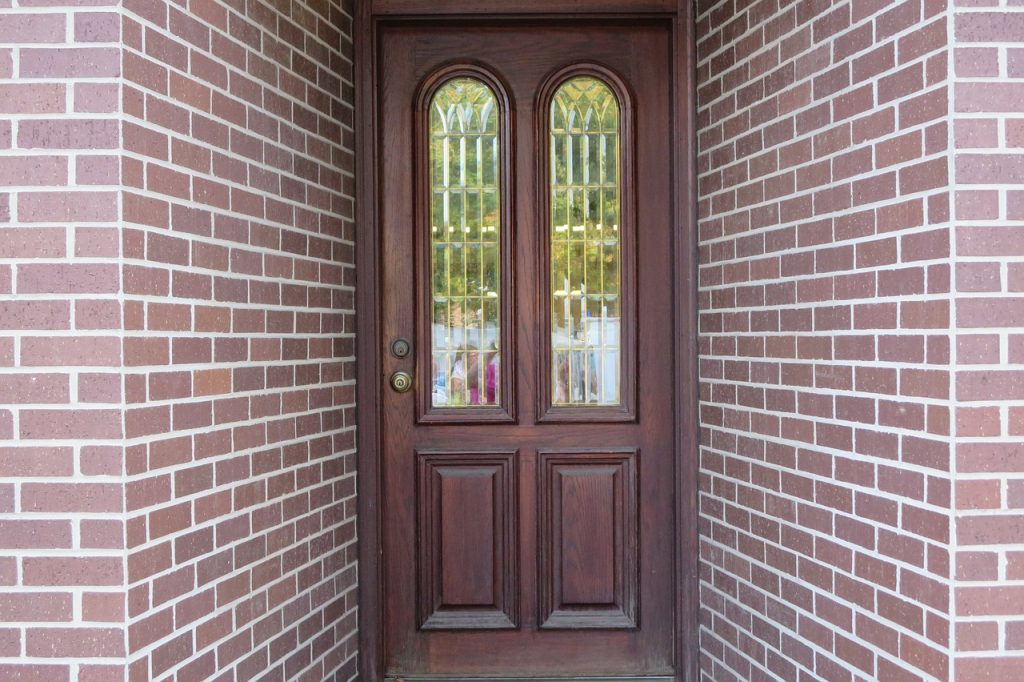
465, 219
585, 250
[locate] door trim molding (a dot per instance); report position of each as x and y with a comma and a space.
368, 14
368, 355
687, 385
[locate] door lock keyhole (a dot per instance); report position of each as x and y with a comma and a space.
401, 348
401, 382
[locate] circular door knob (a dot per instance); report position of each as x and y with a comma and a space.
401, 382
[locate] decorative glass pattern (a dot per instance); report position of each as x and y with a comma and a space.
586, 276
465, 253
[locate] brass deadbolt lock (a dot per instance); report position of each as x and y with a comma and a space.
401, 382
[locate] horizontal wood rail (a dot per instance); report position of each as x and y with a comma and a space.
476, 7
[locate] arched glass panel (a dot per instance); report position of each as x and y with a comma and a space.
586, 253
465, 236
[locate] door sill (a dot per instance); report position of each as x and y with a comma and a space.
570, 678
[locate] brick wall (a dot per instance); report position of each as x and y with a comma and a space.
176, 413
825, 339
238, 341
989, 317
61, 453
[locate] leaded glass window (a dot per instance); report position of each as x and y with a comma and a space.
585, 247
465, 244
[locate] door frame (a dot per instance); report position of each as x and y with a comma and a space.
370, 14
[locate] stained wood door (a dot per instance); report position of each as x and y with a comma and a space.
526, 273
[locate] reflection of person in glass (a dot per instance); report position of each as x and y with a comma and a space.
465, 385
561, 378
492, 374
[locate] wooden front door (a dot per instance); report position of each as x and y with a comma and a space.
526, 303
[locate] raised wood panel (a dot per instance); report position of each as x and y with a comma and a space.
467, 549
589, 575
467, 540
588, 547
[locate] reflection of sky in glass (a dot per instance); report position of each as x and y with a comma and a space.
465, 229
585, 250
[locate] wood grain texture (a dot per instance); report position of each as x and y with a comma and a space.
589, 571
467, 540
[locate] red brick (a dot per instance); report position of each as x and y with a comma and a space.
34, 242
34, 28
922, 41
995, 27
980, 565
35, 672
169, 520
930, 659
35, 388
103, 607
35, 315
65, 134
35, 534
74, 642
34, 171
36, 461
924, 176
82, 351
25, 98
96, 98
91, 315
73, 571
988, 242
981, 669
35, 607
990, 529
990, 312
70, 424
102, 534
924, 314
990, 385
71, 497
923, 108
990, 168
99, 27
977, 422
